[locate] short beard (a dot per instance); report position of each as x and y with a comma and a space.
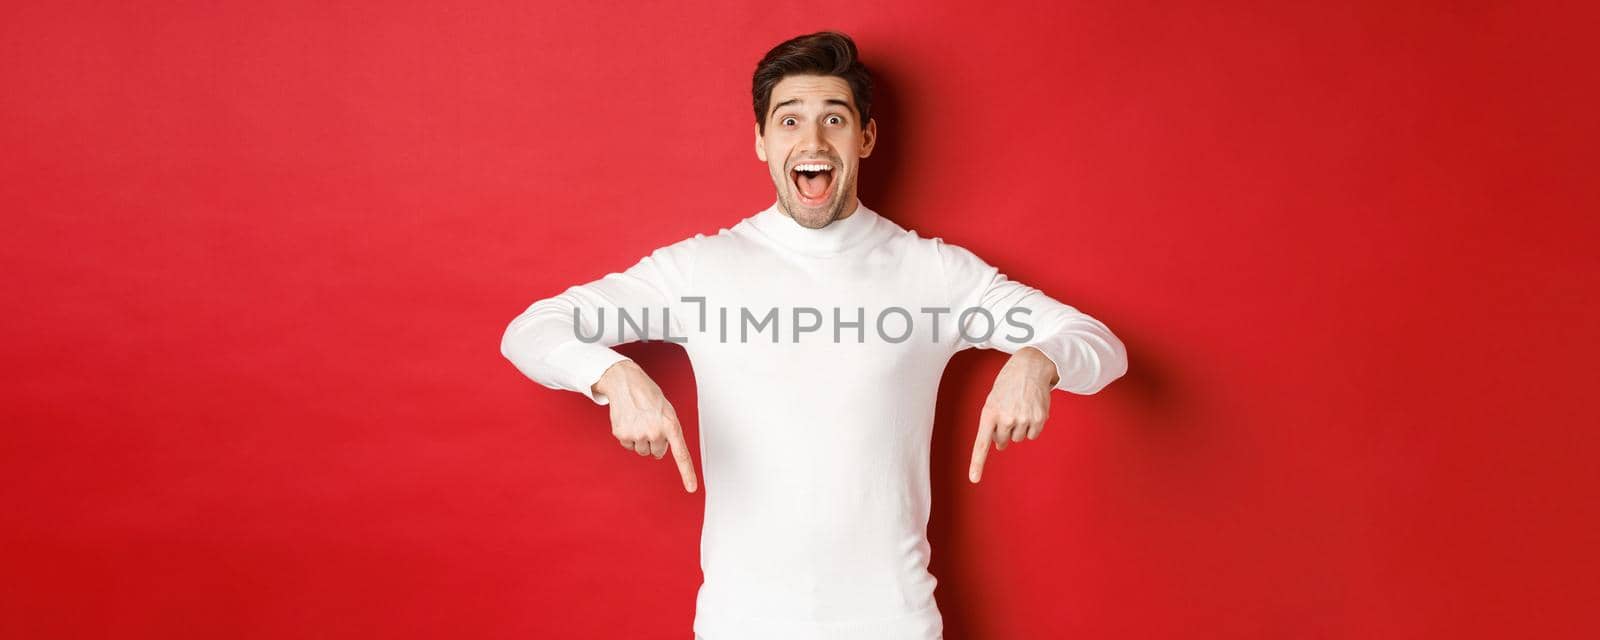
841, 197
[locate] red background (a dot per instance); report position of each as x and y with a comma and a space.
258, 261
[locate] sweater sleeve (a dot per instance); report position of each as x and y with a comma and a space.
1087, 355
564, 342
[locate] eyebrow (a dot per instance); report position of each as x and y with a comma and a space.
829, 101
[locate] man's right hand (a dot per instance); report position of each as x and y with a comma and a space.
641, 418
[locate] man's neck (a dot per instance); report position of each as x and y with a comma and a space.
838, 235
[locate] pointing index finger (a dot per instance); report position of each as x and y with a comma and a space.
980, 448
680, 454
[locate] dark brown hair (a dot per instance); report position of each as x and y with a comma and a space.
827, 53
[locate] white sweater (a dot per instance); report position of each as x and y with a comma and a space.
814, 427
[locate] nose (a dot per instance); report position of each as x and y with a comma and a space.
812, 140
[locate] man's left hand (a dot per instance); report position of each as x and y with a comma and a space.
1017, 406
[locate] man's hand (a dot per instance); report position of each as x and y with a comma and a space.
642, 419
1017, 406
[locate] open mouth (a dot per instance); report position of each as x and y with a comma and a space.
813, 181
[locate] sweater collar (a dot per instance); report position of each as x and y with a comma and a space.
838, 236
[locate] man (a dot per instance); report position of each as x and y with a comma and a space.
814, 434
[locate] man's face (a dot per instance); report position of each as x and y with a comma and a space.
812, 123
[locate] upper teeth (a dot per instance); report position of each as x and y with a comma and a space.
813, 167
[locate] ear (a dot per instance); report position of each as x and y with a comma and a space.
761, 151
869, 137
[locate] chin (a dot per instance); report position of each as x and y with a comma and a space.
815, 220
812, 218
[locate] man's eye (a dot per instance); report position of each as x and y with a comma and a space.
837, 119
786, 121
